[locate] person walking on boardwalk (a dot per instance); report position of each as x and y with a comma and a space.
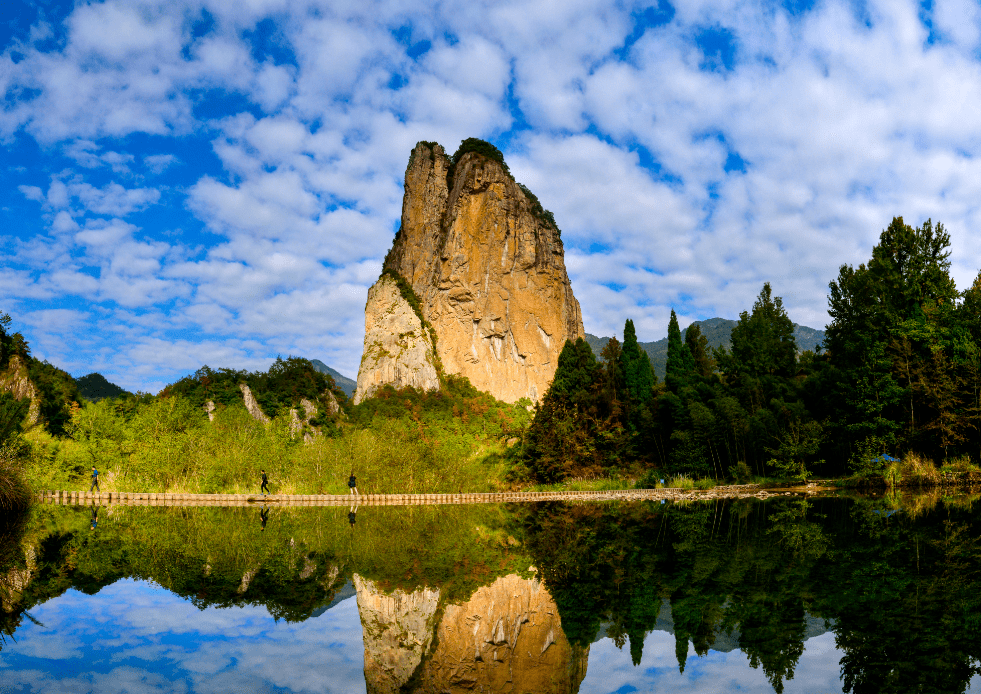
263, 517
264, 489
95, 480
353, 484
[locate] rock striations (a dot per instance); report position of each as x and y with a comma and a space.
506, 638
487, 266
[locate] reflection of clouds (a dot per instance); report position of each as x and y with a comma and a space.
135, 637
610, 669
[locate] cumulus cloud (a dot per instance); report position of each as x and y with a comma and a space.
184, 649
689, 155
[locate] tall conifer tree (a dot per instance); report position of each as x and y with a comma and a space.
638, 377
680, 362
697, 344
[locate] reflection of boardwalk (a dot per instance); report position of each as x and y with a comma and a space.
160, 499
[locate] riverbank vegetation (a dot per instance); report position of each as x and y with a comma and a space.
892, 398
449, 440
292, 561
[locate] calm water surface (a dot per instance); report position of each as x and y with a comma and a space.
789, 596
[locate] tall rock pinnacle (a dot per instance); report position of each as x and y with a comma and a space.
486, 264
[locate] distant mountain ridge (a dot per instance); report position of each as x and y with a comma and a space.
717, 331
346, 384
95, 387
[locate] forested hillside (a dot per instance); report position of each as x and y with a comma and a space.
716, 331
96, 387
899, 377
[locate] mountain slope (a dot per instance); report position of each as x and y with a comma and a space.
95, 387
343, 382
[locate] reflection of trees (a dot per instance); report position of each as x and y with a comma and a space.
716, 564
12, 527
909, 613
903, 592
294, 568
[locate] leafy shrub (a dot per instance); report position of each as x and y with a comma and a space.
741, 473
651, 479
482, 147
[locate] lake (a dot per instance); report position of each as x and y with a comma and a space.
784, 595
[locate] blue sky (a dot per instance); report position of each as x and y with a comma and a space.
217, 183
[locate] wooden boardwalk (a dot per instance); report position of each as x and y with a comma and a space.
76, 498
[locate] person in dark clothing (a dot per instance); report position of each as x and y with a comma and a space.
95, 516
352, 516
95, 480
264, 489
353, 484
263, 517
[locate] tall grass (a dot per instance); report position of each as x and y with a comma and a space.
168, 446
915, 470
15, 493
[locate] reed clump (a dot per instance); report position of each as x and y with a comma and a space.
15, 492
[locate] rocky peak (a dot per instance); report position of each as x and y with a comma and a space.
487, 264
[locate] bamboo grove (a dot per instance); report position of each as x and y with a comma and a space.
899, 373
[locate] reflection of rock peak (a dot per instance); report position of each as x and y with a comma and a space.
398, 630
506, 638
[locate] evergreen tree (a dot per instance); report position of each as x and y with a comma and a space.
697, 345
680, 364
638, 376
611, 355
562, 437
890, 318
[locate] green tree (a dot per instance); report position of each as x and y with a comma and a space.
890, 320
697, 344
635, 366
563, 436
680, 363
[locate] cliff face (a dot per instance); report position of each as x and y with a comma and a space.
15, 381
506, 638
489, 270
397, 347
398, 630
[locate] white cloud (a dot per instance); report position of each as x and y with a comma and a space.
210, 650
841, 120
158, 163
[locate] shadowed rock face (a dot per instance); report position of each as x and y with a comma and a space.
506, 638
398, 630
15, 381
397, 347
489, 272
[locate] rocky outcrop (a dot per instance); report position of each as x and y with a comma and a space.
16, 580
252, 405
398, 630
506, 638
333, 407
15, 380
487, 264
209, 408
398, 350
